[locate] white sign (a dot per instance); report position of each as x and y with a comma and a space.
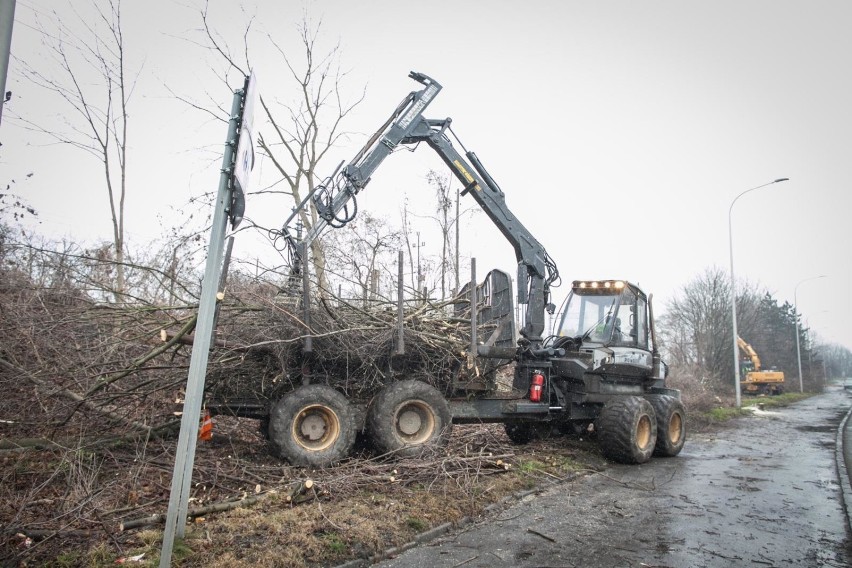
245, 147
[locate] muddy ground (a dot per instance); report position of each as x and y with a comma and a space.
760, 492
763, 493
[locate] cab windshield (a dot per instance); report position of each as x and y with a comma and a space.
591, 317
617, 318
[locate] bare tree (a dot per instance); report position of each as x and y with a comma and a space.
447, 215
836, 359
419, 265
444, 203
305, 129
696, 329
92, 83
312, 127
360, 252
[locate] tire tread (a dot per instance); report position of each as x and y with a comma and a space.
664, 407
616, 427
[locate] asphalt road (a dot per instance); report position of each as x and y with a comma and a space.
763, 493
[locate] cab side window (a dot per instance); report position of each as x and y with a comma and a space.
631, 327
641, 325
624, 333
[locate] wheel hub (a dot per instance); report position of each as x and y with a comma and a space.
316, 428
414, 422
313, 427
410, 422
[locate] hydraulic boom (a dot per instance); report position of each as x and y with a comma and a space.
407, 126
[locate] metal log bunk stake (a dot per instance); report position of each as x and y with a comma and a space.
400, 342
308, 346
473, 339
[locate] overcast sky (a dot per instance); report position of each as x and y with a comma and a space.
620, 131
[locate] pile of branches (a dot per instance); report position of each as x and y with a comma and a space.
74, 367
101, 497
260, 346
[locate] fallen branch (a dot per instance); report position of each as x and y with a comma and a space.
301, 492
77, 398
187, 328
27, 443
159, 518
44, 533
541, 534
20, 444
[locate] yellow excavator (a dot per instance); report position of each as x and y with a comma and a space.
755, 380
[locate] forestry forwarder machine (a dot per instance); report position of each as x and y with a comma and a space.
756, 381
602, 366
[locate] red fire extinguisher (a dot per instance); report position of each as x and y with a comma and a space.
536, 386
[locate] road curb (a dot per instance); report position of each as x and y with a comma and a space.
842, 470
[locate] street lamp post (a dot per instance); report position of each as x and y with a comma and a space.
796, 317
734, 290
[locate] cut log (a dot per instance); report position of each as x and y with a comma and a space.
189, 339
192, 513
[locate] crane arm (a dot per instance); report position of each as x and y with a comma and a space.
407, 126
750, 353
333, 197
536, 270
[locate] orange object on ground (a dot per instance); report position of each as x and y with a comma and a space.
206, 430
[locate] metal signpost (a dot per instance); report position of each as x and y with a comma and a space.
229, 205
7, 19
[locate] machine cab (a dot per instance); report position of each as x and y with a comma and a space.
610, 314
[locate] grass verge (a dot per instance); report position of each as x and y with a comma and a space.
721, 414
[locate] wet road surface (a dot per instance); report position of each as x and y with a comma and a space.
763, 493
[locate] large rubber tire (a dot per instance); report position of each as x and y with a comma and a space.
312, 426
407, 417
627, 430
671, 425
524, 432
